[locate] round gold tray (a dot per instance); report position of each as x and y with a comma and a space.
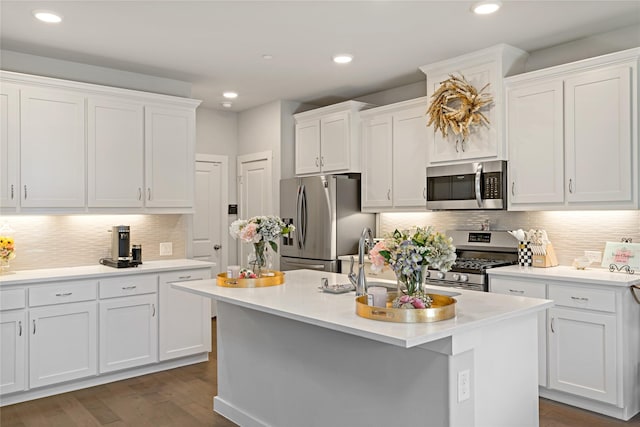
260, 282
442, 308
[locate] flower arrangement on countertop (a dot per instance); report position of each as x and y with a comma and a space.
260, 231
7, 249
409, 253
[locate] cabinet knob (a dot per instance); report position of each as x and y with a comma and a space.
217, 247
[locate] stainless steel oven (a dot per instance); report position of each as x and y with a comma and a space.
477, 252
479, 185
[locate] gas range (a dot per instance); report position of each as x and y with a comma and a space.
477, 252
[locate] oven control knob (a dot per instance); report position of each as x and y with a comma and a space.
464, 278
456, 276
440, 275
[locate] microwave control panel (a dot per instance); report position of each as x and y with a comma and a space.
492, 185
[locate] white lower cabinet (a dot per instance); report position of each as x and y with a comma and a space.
525, 288
62, 343
582, 353
128, 332
185, 321
13, 334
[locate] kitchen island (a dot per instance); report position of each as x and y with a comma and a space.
292, 355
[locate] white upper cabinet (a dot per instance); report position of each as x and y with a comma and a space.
572, 134
115, 150
9, 145
487, 66
70, 147
328, 139
52, 148
169, 156
394, 157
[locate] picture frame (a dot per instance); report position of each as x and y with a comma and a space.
621, 254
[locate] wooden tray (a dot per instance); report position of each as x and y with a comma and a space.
260, 282
442, 308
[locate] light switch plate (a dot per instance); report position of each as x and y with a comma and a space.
166, 248
464, 386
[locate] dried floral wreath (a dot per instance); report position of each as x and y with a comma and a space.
456, 104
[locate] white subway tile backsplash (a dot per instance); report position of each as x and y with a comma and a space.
571, 232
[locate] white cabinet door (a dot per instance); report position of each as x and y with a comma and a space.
128, 332
13, 332
307, 147
115, 163
169, 157
9, 145
335, 143
410, 136
582, 353
377, 171
530, 289
536, 144
483, 140
52, 148
62, 343
185, 323
598, 128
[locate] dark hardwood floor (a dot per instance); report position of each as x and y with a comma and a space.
184, 397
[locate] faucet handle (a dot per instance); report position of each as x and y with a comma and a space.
351, 265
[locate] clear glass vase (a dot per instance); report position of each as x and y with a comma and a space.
260, 258
411, 284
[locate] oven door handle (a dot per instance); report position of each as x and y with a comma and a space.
478, 181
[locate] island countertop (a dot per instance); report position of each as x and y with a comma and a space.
301, 299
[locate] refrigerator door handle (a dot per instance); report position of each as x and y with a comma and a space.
303, 218
299, 216
309, 266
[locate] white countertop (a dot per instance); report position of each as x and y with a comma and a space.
23, 277
595, 276
300, 299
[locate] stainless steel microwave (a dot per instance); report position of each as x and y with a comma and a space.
478, 185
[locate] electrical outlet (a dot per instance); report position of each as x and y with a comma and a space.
166, 248
464, 386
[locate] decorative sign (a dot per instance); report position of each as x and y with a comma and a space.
621, 255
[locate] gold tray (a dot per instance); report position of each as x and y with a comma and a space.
442, 308
260, 282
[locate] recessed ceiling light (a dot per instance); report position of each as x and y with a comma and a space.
47, 16
226, 104
230, 95
267, 57
486, 7
343, 58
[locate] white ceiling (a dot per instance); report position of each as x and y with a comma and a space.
218, 45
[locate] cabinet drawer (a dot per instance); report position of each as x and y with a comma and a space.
63, 292
12, 299
128, 285
516, 287
186, 275
586, 298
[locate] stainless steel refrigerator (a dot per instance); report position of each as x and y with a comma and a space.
326, 213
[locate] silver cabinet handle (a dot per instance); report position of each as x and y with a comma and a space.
424, 193
321, 160
580, 299
25, 191
516, 291
389, 194
457, 151
11, 191
126, 288
154, 310
317, 162
184, 277
20, 328
64, 294
462, 145
34, 326
139, 193
513, 188
552, 329
148, 193
571, 185
217, 247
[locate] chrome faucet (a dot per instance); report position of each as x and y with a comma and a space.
360, 281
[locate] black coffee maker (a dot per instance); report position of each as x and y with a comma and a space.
121, 249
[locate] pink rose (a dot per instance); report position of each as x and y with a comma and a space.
405, 298
249, 232
377, 261
418, 303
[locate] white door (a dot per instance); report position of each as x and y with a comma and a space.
210, 232
128, 332
13, 330
52, 148
62, 343
377, 162
255, 191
